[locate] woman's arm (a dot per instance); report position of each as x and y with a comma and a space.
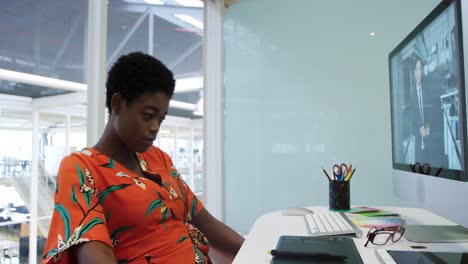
78, 216
94, 252
220, 236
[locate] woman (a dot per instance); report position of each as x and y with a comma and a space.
123, 200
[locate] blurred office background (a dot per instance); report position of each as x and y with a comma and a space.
48, 38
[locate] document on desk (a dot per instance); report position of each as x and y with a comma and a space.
372, 217
304, 249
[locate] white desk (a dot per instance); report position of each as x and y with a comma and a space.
268, 228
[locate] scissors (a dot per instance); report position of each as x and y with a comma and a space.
340, 172
421, 168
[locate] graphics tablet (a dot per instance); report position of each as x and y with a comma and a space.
332, 246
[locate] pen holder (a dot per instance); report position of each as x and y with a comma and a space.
339, 197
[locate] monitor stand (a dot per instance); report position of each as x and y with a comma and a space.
436, 233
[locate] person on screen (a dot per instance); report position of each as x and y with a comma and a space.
123, 200
427, 123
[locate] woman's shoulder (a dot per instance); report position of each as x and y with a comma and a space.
77, 157
157, 156
84, 158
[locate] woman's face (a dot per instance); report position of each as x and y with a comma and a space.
138, 122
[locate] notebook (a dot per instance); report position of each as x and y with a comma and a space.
335, 245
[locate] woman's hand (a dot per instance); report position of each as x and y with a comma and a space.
225, 241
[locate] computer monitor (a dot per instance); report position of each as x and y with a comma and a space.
428, 115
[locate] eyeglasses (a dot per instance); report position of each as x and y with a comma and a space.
381, 236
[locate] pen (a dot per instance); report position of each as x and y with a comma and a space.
304, 255
352, 173
326, 174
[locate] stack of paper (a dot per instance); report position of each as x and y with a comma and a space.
372, 217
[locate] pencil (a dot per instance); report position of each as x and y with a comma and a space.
352, 173
348, 173
326, 174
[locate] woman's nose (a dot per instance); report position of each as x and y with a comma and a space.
154, 126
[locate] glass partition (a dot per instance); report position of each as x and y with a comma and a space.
306, 86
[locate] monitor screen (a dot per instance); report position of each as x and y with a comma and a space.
428, 97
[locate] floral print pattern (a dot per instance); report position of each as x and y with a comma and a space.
143, 219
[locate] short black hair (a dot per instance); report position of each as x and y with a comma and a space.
135, 74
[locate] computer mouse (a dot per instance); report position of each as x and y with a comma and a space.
297, 211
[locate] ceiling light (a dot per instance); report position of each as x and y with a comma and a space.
198, 111
372, 34
188, 84
154, 2
6, 59
190, 3
181, 105
41, 81
189, 19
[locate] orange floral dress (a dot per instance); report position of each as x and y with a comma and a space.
144, 219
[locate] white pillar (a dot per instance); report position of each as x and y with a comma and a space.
34, 188
67, 135
176, 147
151, 33
96, 71
190, 158
213, 108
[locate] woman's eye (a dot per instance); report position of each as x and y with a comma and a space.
147, 116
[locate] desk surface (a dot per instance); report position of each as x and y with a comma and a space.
268, 228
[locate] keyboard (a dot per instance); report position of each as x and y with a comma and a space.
330, 224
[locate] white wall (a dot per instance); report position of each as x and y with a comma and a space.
306, 86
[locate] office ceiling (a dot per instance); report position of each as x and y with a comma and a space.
48, 38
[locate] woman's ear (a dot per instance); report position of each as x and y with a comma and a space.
116, 103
